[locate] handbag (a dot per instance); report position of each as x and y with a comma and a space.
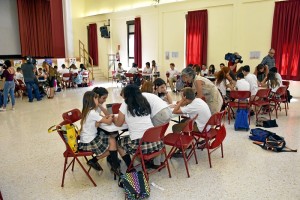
70, 133
135, 185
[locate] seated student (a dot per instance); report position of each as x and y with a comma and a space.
241, 83
172, 76
136, 112
277, 75
73, 69
252, 80
272, 83
41, 74
120, 72
160, 89
99, 143
192, 106
133, 69
204, 70
211, 70
102, 96
147, 70
147, 86
20, 83
261, 73
197, 69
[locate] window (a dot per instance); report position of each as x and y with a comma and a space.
130, 42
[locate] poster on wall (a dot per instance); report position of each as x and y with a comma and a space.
175, 54
72, 61
254, 54
17, 63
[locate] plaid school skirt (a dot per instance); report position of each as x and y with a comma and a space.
98, 145
130, 146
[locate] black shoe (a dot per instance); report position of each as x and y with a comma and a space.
178, 154
94, 164
151, 165
252, 113
108, 160
174, 91
116, 171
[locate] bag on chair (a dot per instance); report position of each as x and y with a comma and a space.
70, 134
135, 185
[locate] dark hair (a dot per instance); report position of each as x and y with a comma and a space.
273, 82
240, 75
274, 69
137, 104
63, 66
82, 67
134, 65
190, 65
19, 69
158, 82
100, 91
172, 64
147, 64
222, 64
260, 66
7, 63
246, 68
212, 70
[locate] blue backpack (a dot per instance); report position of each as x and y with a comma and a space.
258, 134
241, 120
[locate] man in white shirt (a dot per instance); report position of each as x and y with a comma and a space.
133, 69
204, 70
242, 84
252, 80
147, 72
172, 76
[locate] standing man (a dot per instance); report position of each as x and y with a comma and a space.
269, 60
29, 76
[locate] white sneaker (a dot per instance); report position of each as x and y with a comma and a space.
13, 108
2, 109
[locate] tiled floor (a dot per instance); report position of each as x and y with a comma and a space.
32, 162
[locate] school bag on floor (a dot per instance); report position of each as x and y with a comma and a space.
135, 185
241, 120
269, 141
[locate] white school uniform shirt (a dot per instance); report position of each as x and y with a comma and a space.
136, 125
279, 78
156, 103
89, 129
120, 70
147, 70
73, 71
242, 85
173, 73
252, 80
274, 89
19, 76
133, 70
204, 72
198, 106
64, 71
222, 86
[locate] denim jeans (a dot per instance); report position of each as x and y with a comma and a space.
31, 85
9, 88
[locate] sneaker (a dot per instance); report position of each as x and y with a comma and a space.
95, 165
178, 154
2, 109
13, 108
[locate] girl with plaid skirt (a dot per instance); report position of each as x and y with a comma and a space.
136, 112
100, 144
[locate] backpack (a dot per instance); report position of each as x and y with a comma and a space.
274, 143
258, 134
241, 120
135, 185
263, 122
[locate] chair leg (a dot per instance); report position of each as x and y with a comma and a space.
73, 165
222, 150
166, 162
209, 156
86, 172
185, 162
63, 178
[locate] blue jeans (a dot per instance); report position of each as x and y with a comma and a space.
31, 85
9, 88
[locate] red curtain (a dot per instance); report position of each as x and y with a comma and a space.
137, 42
93, 43
41, 28
196, 37
57, 22
286, 39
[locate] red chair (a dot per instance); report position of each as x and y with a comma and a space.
261, 100
213, 133
115, 108
278, 98
239, 99
182, 141
71, 117
154, 134
287, 85
67, 80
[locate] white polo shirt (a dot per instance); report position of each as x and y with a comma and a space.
198, 106
242, 85
89, 129
252, 80
156, 103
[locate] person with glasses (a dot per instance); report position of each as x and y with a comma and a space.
269, 60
